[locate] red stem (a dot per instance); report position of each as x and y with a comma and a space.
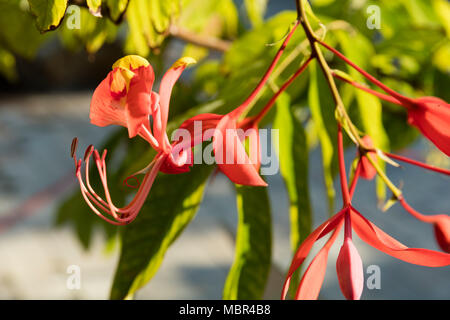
372, 79
416, 214
342, 172
272, 101
368, 90
266, 76
418, 163
355, 179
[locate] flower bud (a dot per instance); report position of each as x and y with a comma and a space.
349, 269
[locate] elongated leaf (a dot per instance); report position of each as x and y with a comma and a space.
48, 13
172, 204
248, 274
322, 109
116, 9
293, 159
255, 11
359, 50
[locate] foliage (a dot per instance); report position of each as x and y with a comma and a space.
410, 53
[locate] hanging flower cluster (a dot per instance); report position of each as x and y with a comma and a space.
125, 98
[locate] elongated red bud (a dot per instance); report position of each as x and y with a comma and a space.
349, 269
368, 172
442, 233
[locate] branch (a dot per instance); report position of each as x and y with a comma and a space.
316, 51
199, 40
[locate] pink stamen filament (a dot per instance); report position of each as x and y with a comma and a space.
93, 199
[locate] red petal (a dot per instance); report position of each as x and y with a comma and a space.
305, 248
378, 239
231, 157
432, 117
442, 232
313, 277
131, 110
139, 99
165, 88
350, 271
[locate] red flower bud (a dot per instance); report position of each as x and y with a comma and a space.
367, 172
349, 269
442, 232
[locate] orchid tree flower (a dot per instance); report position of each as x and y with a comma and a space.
227, 140
125, 98
430, 115
349, 264
440, 222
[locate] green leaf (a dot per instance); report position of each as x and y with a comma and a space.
322, 108
255, 11
93, 34
48, 13
94, 6
116, 9
18, 32
293, 159
250, 270
172, 204
8, 65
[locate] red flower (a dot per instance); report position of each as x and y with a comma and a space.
430, 115
125, 98
348, 262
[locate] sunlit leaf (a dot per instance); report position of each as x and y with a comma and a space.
172, 204
248, 275
49, 13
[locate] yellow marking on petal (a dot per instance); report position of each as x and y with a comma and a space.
183, 62
131, 62
121, 79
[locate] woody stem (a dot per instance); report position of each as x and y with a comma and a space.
316, 50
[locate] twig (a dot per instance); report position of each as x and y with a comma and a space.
199, 40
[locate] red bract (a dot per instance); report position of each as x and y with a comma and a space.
430, 115
125, 98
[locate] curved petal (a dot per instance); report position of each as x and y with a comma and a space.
378, 239
305, 248
128, 107
231, 156
313, 277
167, 83
432, 117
